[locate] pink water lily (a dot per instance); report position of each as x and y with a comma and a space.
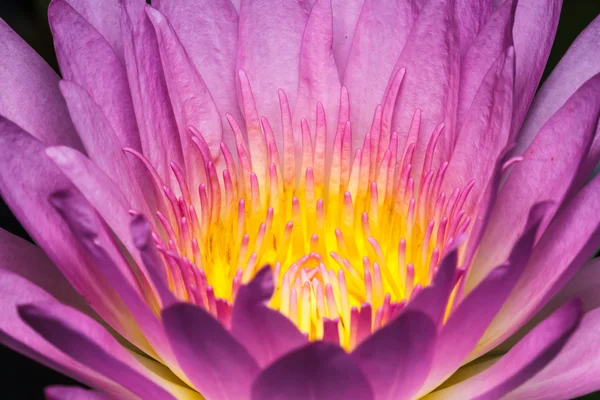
300, 199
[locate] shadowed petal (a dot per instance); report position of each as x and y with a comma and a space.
397, 357
216, 364
317, 371
266, 333
73, 393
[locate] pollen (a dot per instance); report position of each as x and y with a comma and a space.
350, 236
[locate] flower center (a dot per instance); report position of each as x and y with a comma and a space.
349, 237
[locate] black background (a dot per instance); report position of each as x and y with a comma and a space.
21, 378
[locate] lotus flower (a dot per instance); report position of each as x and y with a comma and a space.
295, 199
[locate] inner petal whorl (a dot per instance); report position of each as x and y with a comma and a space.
350, 240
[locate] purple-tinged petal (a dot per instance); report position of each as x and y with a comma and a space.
17, 335
477, 310
216, 27
485, 132
380, 36
533, 33
317, 371
345, 18
27, 193
431, 60
397, 357
548, 168
153, 110
584, 285
318, 77
573, 372
104, 147
87, 59
481, 55
433, 299
266, 333
522, 362
572, 237
192, 102
218, 366
24, 73
88, 342
473, 17
73, 393
269, 52
104, 16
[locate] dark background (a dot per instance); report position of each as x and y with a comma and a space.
22, 378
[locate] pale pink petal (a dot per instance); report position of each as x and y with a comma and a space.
202, 33
87, 59
397, 357
345, 17
266, 333
71, 331
549, 166
522, 362
22, 73
218, 366
317, 371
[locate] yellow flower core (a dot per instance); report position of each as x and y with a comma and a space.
349, 237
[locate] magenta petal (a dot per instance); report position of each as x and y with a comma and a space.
88, 342
473, 17
317, 371
573, 372
269, 51
345, 18
550, 165
397, 357
22, 73
218, 366
523, 361
86, 58
216, 27
585, 285
266, 333
73, 393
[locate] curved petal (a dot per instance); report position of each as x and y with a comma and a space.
345, 17
522, 362
473, 17
397, 357
533, 34
104, 16
17, 335
87, 59
319, 370
572, 238
215, 27
549, 167
266, 333
381, 33
217, 365
269, 51
71, 331
23, 72
573, 372
73, 393
584, 285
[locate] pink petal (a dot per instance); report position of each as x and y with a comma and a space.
88, 342
73, 393
216, 27
473, 17
522, 362
549, 166
153, 110
317, 371
573, 372
87, 59
533, 33
397, 357
218, 366
269, 51
571, 239
266, 333
23, 72
345, 18
17, 335
191, 100
380, 35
